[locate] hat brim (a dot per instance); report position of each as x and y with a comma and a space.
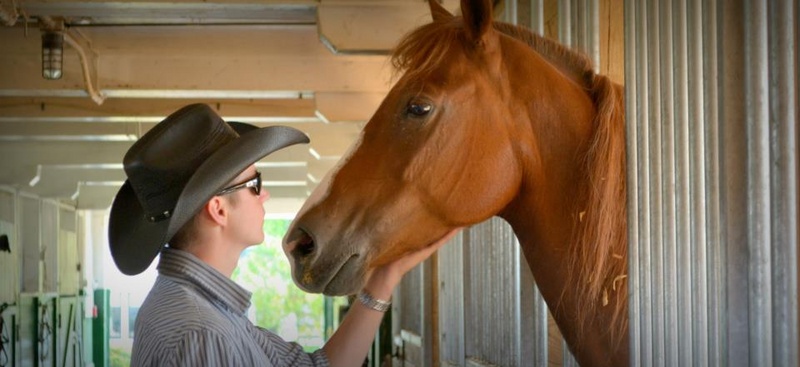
135, 241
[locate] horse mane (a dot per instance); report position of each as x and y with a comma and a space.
599, 250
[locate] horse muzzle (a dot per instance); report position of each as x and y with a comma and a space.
317, 271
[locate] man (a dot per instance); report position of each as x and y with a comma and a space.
193, 195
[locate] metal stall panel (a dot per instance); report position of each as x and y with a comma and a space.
70, 332
412, 319
27, 329
38, 320
10, 351
758, 160
49, 246
540, 342
68, 256
492, 295
47, 338
632, 159
712, 244
712, 177
451, 302
535, 335
29, 238
781, 164
9, 256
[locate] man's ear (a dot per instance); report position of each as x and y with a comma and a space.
216, 210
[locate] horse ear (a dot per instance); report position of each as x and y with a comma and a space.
477, 17
438, 11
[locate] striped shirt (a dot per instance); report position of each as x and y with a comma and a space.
195, 316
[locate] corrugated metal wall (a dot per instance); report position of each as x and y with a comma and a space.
712, 156
494, 331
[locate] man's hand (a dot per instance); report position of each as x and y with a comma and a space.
351, 341
383, 279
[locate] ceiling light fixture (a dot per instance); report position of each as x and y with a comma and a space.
52, 54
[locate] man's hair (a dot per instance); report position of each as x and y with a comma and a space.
185, 235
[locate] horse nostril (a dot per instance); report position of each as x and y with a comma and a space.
305, 245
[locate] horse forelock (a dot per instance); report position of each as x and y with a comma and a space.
599, 252
422, 50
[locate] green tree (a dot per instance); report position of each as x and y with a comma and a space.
119, 357
278, 304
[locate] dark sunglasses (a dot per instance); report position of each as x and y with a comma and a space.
253, 183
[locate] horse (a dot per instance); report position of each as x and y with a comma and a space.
486, 119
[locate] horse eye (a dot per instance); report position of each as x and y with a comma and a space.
418, 109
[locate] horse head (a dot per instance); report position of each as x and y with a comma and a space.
487, 119
422, 165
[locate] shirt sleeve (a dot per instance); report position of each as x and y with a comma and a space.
283, 353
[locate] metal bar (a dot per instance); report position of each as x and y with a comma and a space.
575, 25
517, 301
656, 188
567, 359
510, 12
537, 16
758, 188
593, 32
427, 317
734, 181
668, 286
783, 178
632, 143
682, 187
716, 251
451, 299
697, 282
540, 346
584, 24
489, 304
579, 25
411, 338
565, 23
645, 245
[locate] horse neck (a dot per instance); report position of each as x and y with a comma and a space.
554, 137
552, 130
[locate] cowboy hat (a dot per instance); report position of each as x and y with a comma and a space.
173, 170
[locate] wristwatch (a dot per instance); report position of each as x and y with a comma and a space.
373, 303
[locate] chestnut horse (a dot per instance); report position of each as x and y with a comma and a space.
487, 119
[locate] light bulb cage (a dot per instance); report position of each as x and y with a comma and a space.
52, 54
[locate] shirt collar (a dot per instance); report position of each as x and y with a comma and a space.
183, 265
